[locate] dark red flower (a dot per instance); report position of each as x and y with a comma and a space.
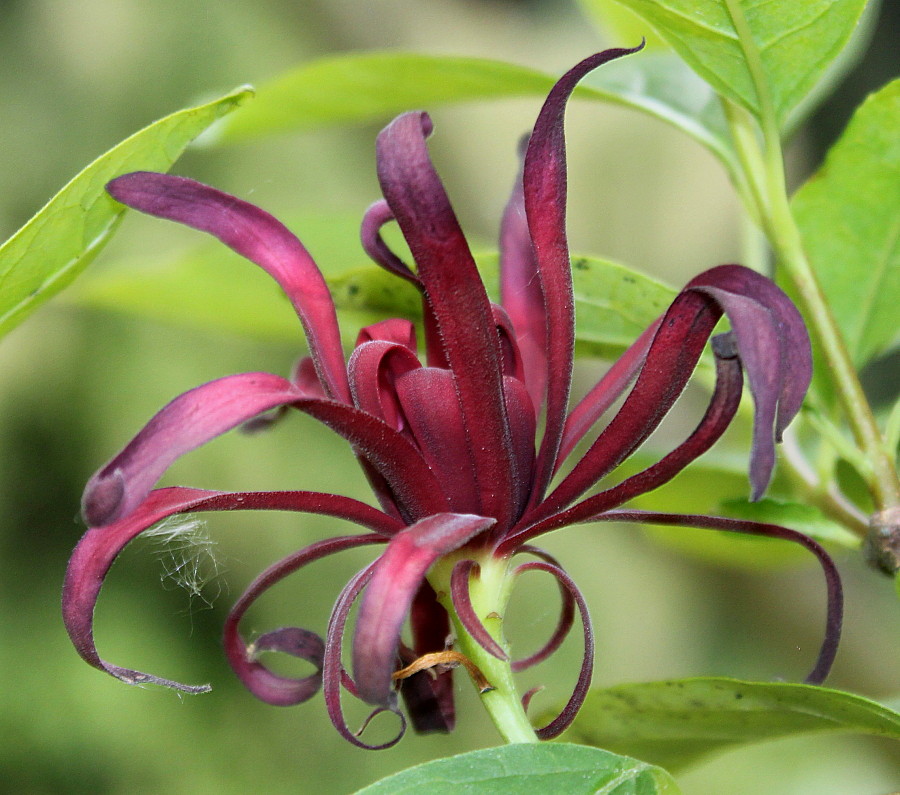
451, 446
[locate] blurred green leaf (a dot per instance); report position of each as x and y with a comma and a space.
615, 21
677, 723
46, 254
358, 87
719, 476
848, 217
527, 769
214, 289
798, 516
746, 49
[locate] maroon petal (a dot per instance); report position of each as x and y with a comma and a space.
563, 626
835, 599
373, 369
259, 237
562, 721
462, 603
521, 295
428, 695
774, 347
721, 410
457, 297
100, 546
333, 674
190, 420
376, 217
395, 581
281, 691
398, 330
544, 180
429, 402
607, 390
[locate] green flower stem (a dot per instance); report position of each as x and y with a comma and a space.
489, 590
765, 173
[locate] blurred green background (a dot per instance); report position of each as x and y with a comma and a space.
77, 77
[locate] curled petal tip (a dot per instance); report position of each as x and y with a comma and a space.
103, 499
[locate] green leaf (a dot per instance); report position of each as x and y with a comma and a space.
798, 516
748, 49
617, 23
527, 769
60, 241
613, 303
677, 723
848, 218
358, 87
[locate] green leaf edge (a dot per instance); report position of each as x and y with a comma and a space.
638, 774
241, 128
682, 761
60, 278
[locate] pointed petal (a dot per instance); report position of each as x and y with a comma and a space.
333, 674
259, 237
562, 721
462, 603
188, 422
521, 295
606, 392
673, 354
544, 181
457, 298
721, 410
281, 691
395, 581
100, 546
835, 598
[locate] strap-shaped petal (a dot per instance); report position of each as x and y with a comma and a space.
100, 546
187, 422
333, 674
835, 597
544, 180
266, 685
605, 392
430, 404
521, 295
211, 409
722, 407
396, 579
562, 721
428, 695
774, 347
457, 298
262, 239
563, 625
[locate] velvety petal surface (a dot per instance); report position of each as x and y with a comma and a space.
544, 181
458, 300
100, 546
189, 421
387, 600
262, 239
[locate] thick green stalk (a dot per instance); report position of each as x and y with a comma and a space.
489, 591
